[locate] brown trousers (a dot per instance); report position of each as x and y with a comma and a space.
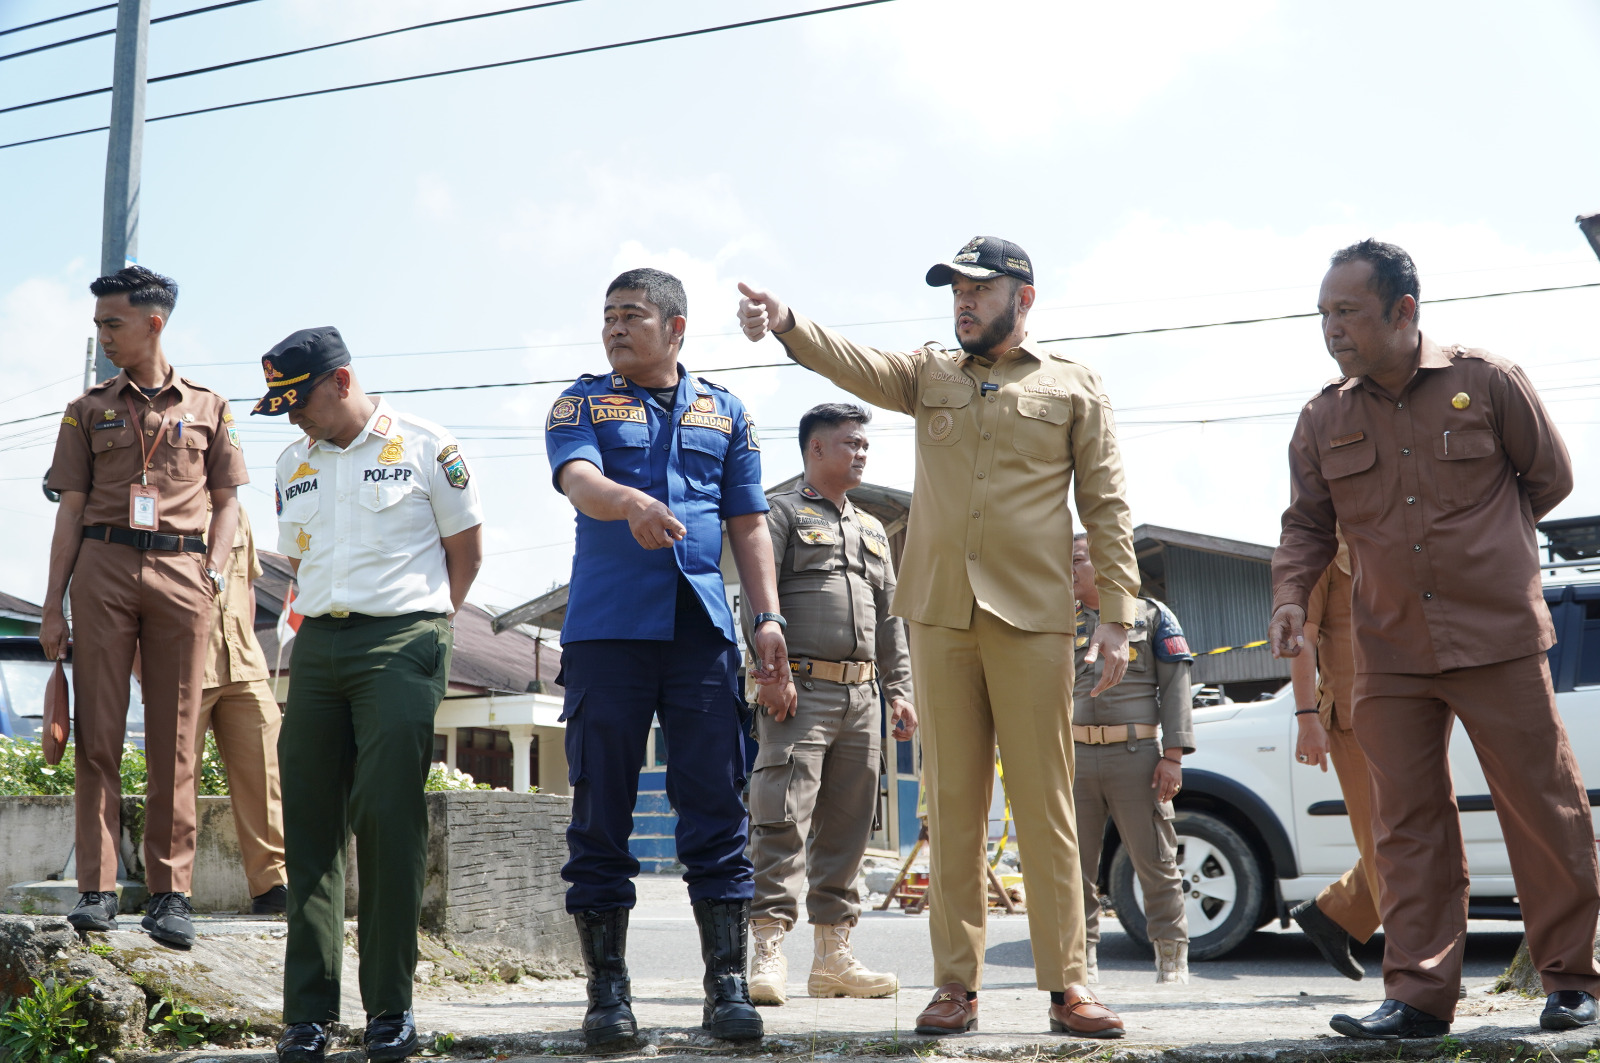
123, 598
997, 682
1352, 902
246, 719
1509, 712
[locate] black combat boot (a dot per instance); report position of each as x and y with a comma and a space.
724, 928
604, 937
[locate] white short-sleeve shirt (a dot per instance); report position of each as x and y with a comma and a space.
365, 522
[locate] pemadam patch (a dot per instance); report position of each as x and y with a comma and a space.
701, 419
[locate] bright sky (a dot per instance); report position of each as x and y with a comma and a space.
1164, 163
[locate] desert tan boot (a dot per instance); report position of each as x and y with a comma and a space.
769, 969
1172, 961
835, 971
1092, 965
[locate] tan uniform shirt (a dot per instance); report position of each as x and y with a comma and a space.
100, 451
234, 655
1437, 490
1328, 613
835, 584
998, 449
1155, 688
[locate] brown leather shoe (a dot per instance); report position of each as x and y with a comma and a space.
949, 1012
1083, 1015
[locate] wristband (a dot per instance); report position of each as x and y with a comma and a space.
762, 618
1305, 712
1169, 760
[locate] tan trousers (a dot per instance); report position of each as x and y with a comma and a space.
1509, 712
997, 682
161, 600
246, 718
1113, 782
1352, 902
816, 778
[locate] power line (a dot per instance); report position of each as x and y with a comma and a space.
59, 18
469, 69
265, 58
100, 33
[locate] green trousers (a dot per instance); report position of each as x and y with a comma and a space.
354, 751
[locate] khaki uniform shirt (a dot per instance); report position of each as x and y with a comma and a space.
1437, 491
999, 447
1328, 628
234, 655
1155, 688
835, 584
99, 451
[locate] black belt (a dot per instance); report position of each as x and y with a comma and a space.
145, 540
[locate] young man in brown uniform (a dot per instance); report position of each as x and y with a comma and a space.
135, 459
816, 775
1436, 462
1324, 677
1006, 430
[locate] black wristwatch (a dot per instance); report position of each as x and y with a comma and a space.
762, 618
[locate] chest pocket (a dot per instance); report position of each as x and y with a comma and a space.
814, 548
1140, 660
1039, 431
874, 558
301, 507
1469, 468
184, 455
112, 457
943, 415
390, 513
1353, 481
625, 452
704, 451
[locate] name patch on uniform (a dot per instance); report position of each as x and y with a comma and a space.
378, 476
1343, 441
296, 490
454, 466
708, 420
954, 378
817, 536
1047, 386
118, 423
616, 408
69, 419
565, 411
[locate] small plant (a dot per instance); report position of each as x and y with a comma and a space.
443, 777
40, 1028
100, 949
443, 1043
184, 1023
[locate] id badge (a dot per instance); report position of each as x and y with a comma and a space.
144, 510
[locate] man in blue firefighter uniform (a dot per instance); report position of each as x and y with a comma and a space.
655, 461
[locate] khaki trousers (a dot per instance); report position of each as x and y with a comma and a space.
160, 600
1113, 782
997, 682
246, 719
1509, 712
816, 778
1352, 902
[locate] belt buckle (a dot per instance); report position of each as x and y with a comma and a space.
143, 539
850, 672
1099, 733
340, 614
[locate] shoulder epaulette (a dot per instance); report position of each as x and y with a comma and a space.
586, 378
197, 387
98, 385
712, 384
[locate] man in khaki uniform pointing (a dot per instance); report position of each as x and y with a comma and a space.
1005, 429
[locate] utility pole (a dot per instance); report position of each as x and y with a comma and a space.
119, 236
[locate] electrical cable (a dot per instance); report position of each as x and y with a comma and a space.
276, 55
682, 34
103, 33
59, 18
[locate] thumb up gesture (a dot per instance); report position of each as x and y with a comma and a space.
762, 312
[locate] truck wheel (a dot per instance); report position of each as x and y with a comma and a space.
1223, 886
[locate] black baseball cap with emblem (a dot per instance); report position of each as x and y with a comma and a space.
295, 364
983, 258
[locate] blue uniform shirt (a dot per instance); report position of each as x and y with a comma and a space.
705, 465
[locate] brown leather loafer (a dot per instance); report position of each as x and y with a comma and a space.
1084, 1016
949, 1012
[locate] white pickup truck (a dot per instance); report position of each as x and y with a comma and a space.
1258, 833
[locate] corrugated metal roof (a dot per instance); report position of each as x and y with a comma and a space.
1222, 601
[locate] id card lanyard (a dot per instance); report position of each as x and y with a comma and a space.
144, 501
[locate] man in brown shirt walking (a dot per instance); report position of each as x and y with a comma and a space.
1006, 430
1436, 462
135, 459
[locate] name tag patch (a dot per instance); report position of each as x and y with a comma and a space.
118, 423
702, 419
616, 408
298, 489
1343, 441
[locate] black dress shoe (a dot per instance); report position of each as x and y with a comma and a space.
1329, 938
303, 1042
167, 919
1567, 1009
96, 910
273, 902
390, 1038
1393, 1020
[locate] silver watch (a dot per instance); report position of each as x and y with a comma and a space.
218, 580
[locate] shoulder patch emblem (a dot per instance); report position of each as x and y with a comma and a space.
381, 425
752, 441
810, 492
277, 494
564, 412
69, 419
616, 408
393, 452
233, 435
817, 536
455, 466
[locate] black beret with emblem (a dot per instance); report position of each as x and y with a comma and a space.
983, 258
295, 363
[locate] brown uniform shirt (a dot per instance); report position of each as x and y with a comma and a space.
835, 584
1437, 490
234, 655
999, 448
1155, 688
1328, 626
99, 451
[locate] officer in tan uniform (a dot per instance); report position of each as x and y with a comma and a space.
816, 775
238, 704
1124, 774
1006, 431
135, 459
